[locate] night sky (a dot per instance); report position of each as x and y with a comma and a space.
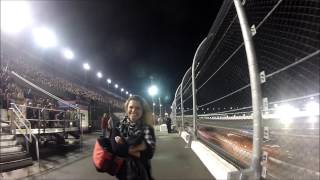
130, 41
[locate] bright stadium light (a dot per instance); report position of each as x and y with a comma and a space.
313, 119
86, 66
127, 92
153, 90
44, 37
99, 74
130, 95
15, 16
312, 108
286, 113
116, 86
67, 53
122, 89
109, 81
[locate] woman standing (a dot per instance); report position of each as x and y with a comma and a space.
134, 139
104, 125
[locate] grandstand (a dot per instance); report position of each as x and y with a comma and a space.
24, 79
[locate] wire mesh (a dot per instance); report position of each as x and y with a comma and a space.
286, 39
187, 96
288, 52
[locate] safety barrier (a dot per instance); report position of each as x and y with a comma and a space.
252, 92
24, 126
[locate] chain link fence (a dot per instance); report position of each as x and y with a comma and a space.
286, 40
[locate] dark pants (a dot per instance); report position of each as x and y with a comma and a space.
169, 128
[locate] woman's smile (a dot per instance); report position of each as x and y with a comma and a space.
134, 110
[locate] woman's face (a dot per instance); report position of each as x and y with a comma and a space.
135, 110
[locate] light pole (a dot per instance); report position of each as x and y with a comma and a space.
109, 82
86, 67
160, 109
109, 104
153, 104
153, 90
122, 91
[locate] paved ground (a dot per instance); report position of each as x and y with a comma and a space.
171, 161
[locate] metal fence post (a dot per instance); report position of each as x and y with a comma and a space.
81, 129
175, 103
181, 97
181, 105
255, 88
194, 99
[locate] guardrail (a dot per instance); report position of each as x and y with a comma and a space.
22, 124
220, 96
75, 107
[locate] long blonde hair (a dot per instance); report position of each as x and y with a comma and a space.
146, 112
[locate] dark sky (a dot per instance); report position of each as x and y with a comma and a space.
130, 41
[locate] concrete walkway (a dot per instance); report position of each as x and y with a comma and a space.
171, 161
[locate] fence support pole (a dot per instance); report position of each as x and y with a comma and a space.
194, 93
255, 89
181, 105
81, 129
175, 103
181, 97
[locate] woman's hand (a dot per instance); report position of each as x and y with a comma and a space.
135, 150
118, 140
140, 147
134, 153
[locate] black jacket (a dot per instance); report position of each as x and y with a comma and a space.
142, 169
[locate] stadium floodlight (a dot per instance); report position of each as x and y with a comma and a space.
312, 108
67, 53
44, 37
116, 86
313, 119
86, 66
153, 90
130, 95
99, 75
127, 92
109, 81
122, 89
286, 113
15, 16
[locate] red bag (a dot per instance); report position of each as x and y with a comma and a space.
103, 158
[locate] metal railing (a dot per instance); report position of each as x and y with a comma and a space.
76, 108
21, 124
271, 104
40, 121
